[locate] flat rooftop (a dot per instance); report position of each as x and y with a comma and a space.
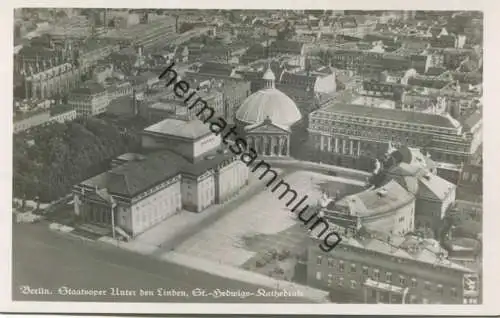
193, 129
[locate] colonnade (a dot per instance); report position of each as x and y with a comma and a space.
269, 145
339, 145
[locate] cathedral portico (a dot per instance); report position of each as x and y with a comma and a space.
266, 144
267, 116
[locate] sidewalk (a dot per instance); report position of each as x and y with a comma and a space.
132, 246
221, 270
316, 295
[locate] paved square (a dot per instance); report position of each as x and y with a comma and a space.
165, 234
261, 223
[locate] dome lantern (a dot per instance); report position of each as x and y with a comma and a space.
269, 78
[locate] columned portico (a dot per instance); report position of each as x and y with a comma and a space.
272, 145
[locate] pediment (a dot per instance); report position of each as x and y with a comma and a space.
266, 128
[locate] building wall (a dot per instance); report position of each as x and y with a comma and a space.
471, 177
156, 207
124, 89
124, 217
198, 193
189, 190
325, 84
232, 178
234, 95
205, 191
444, 144
89, 105
426, 210
64, 117
346, 264
184, 147
32, 121
155, 141
398, 221
57, 80
205, 144
448, 201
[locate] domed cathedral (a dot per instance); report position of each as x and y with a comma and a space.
266, 118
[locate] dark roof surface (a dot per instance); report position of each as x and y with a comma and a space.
216, 68
135, 177
89, 88
471, 119
390, 114
59, 109
284, 45
297, 79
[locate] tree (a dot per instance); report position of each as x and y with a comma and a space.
63, 155
469, 229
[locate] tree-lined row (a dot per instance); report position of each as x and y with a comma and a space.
49, 160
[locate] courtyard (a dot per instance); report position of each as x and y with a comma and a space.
262, 223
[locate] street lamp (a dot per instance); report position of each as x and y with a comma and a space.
405, 294
113, 205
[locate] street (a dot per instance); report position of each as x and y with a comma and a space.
47, 264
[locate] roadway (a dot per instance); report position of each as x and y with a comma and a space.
45, 261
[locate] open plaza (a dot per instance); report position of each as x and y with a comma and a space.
252, 223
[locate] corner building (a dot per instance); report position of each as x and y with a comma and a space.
345, 133
385, 262
406, 270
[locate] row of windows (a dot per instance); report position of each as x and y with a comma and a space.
473, 176
376, 275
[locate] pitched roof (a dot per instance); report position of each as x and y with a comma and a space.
137, 176
59, 109
89, 88
471, 119
409, 247
193, 129
434, 187
391, 114
36, 51
285, 45
216, 68
430, 82
253, 127
256, 49
377, 200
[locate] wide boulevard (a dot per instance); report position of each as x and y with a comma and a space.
46, 265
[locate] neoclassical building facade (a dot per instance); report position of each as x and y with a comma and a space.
53, 81
346, 132
268, 139
266, 118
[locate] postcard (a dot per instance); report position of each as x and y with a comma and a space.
203, 158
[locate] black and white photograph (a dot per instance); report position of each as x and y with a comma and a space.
247, 156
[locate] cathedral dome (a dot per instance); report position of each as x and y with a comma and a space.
269, 103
